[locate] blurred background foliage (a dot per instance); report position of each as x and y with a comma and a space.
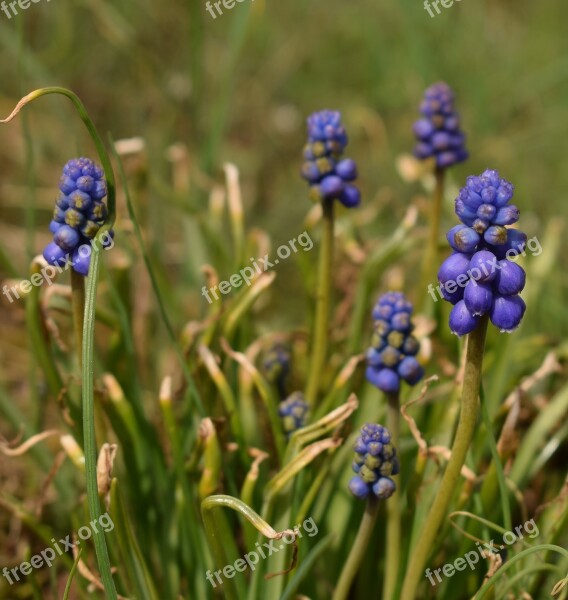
239, 87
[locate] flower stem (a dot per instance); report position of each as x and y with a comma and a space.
464, 434
88, 332
319, 342
78, 304
358, 549
393, 507
431, 254
90, 443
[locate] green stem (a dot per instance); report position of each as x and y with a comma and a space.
87, 369
431, 254
393, 507
464, 434
78, 305
90, 444
358, 549
323, 292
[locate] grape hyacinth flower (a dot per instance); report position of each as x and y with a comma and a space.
479, 278
330, 176
276, 365
392, 356
439, 139
483, 284
438, 132
79, 213
375, 461
293, 412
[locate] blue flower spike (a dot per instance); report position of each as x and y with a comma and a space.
276, 365
79, 213
374, 463
392, 356
438, 132
330, 175
293, 412
480, 277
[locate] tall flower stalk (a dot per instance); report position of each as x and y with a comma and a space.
358, 550
392, 359
323, 301
439, 139
483, 284
435, 215
393, 540
464, 435
330, 177
375, 462
87, 348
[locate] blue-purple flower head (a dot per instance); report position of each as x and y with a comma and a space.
330, 175
276, 365
483, 206
375, 462
79, 213
392, 356
480, 277
293, 412
438, 132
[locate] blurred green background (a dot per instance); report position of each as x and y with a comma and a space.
239, 87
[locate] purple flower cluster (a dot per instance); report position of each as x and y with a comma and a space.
392, 355
375, 461
438, 131
328, 174
293, 412
479, 277
276, 366
79, 214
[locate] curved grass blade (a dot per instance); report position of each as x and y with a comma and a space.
72, 575
511, 563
